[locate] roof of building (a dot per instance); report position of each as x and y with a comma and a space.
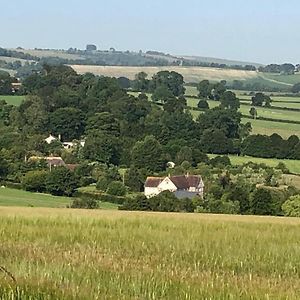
182, 182
153, 181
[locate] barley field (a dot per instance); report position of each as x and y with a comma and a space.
77, 254
190, 74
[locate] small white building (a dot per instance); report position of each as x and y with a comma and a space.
183, 186
50, 139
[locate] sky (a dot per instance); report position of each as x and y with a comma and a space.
263, 31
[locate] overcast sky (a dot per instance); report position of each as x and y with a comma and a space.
262, 31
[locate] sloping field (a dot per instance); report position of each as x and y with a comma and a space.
80, 254
190, 74
292, 165
47, 53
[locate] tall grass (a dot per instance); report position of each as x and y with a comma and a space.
75, 254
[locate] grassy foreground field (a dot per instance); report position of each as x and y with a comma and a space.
77, 254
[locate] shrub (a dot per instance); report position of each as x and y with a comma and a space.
291, 207
203, 104
102, 184
116, 188
87, 203
61, 181
35, 181
261, 202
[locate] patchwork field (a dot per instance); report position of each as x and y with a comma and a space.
77, 254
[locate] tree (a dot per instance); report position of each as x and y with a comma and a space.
253, 112
134, 180
291, 207
102, 148
229, 121
35, 181
161, 94
4, 167
68, 122
296, 88
5, 84
204, 89
229, 101
260, 99
91, 47
215, 141
103, 122
173, 81
261, 202
61, 181
203, 104
148, 154
116, 188
141, 83
174, 104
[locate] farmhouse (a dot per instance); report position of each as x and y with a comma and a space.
66, 145
183, 186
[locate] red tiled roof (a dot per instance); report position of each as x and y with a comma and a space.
182, 182
153, 181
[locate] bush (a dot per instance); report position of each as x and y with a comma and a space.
116, 188
203, 104
261, 202
35, 181
291, 207
87, 203
165, 202
102, 184
61, 181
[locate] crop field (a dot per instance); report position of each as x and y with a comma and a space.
13, 100
78, 254
292, 165
190, 74
49, 53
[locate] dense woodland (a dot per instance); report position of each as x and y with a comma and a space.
138, 136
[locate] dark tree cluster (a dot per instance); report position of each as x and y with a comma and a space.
273, 146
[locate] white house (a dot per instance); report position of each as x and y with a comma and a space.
183, 186
50, 139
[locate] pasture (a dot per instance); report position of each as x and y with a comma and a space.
78, 254
12, 100
20, 198
292, 165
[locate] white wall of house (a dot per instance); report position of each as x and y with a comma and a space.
167, 185
151, 191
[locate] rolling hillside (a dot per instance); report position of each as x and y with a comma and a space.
191, 74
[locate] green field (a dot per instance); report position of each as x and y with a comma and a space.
13, 100
270, 127
292, 165
288, 79
13, 197
78, 254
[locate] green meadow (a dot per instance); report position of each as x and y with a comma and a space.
13, 100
